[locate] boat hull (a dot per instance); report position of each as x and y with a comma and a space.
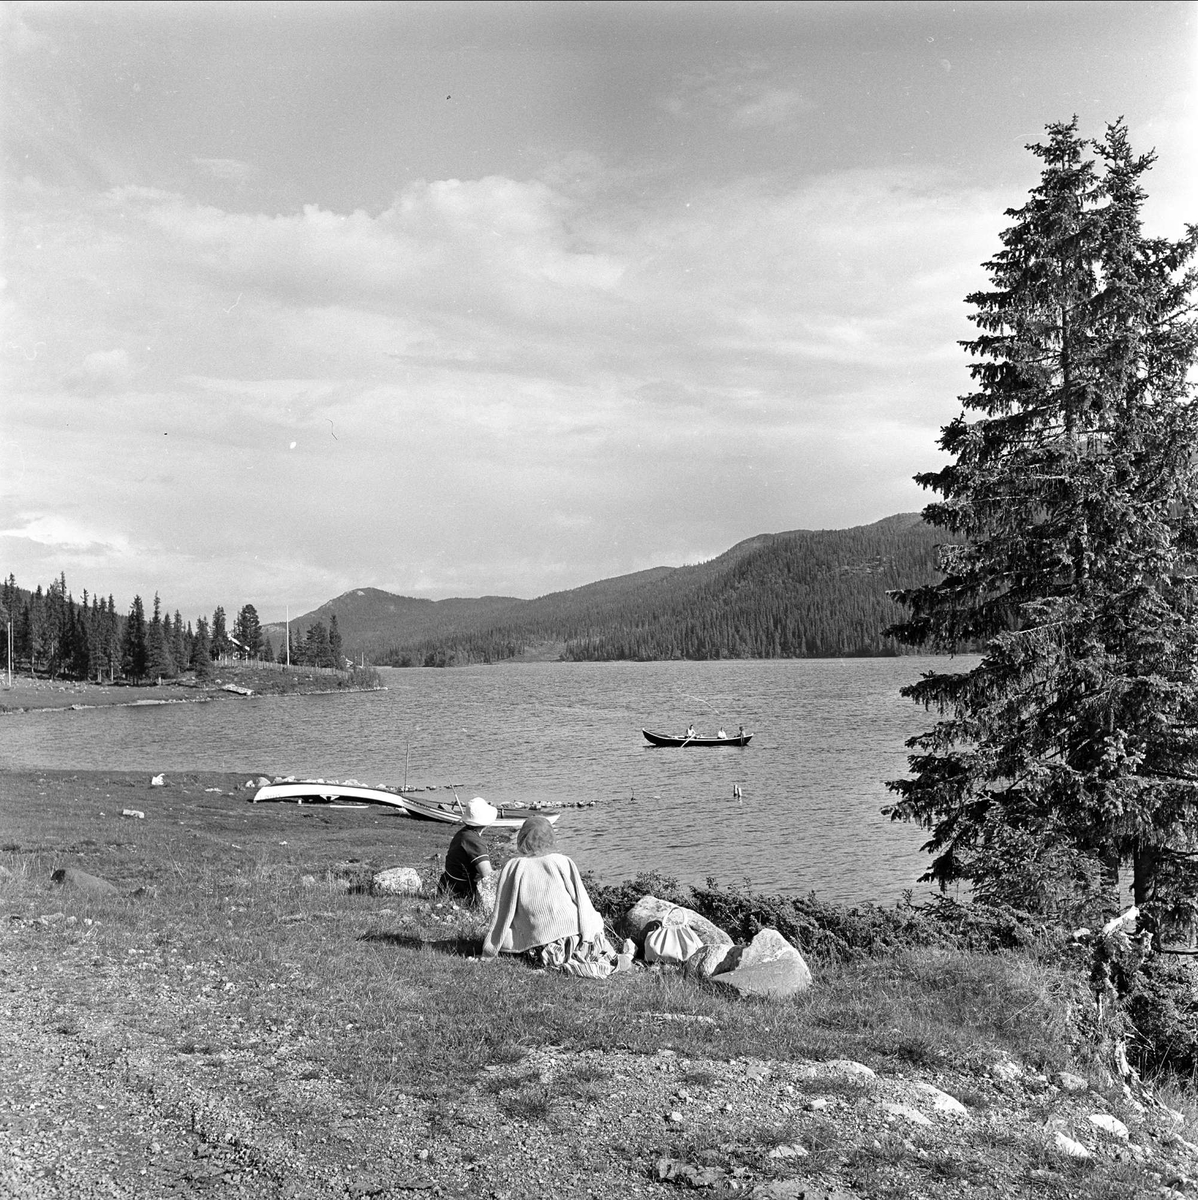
669, 739
319, 792
451, 814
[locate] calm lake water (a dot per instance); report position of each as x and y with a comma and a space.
827, 734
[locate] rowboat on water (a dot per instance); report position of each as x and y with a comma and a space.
680, 739
511, 816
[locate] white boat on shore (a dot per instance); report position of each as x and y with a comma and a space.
511, 816
324, 791
320, 791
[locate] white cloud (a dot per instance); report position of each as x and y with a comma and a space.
59, 532
495, 366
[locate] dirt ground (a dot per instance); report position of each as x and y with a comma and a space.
157, 1043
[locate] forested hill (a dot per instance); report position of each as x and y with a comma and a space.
371, 621
806, 593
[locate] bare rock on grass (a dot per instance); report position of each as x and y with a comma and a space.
768, 966
841, 1068
396, 881
1005, 1069
1068, 1147
1109, 1125
93, 885
649, 909
1070, 1083
942, 1102
905, 1112
796, 1189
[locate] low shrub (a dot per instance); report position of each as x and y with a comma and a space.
841, 933
1161, 1005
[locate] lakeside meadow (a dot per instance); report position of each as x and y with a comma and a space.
240, 1016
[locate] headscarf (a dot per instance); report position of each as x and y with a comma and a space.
535, 838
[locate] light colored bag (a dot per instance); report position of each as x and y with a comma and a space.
672, 941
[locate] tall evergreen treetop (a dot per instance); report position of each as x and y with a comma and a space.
134, 652
247, 629
220, 643
1071, 749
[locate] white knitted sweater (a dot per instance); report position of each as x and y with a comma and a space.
537, 901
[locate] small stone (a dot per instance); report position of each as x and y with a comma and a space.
396, 881
133, 812
818, 1104
791, 1189
906, 1112
942, 1102
1071, 1083
1005, 1069
74, 877
845, 1066
788, 1150
1068, 1147
1109, 1125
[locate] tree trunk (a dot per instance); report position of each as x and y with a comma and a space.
1145, 861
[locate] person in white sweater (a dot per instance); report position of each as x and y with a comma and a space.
542, 910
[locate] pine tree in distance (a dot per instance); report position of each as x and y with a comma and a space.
1071, 750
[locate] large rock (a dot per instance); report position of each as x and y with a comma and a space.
396, 881
92, 884
768, 966
710, 960
649, 909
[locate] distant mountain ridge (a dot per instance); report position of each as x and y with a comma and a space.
801, 593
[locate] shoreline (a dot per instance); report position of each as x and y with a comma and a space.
239, 1013
26, 695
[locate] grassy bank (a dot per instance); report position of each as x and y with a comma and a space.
27, 693
241, 1016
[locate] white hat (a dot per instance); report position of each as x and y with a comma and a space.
479, 813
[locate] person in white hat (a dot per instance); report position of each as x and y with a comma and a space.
468, 861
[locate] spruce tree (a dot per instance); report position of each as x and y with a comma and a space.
247, 629
134, 657
336, 653
97, 640
201, 652
316, 646
160, 662
1069, 752
220, 645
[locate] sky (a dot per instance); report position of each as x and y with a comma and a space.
463, 299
